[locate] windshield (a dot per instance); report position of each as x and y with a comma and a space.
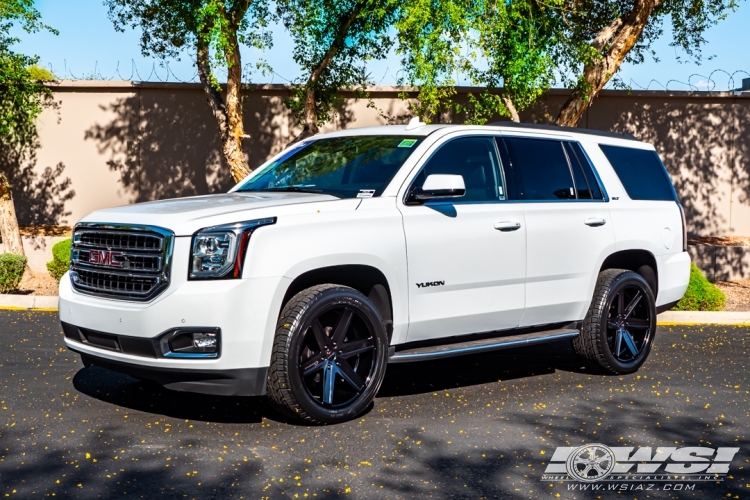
347, 167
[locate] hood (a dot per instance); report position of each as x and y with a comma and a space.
184, 216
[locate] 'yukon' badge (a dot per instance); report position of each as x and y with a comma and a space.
430, 283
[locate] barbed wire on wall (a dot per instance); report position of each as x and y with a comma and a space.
162, 72
706, 83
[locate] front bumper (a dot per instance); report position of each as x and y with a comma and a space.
238, 382
245, 311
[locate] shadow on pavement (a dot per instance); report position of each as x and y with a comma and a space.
477, 369
122, 390
401, 380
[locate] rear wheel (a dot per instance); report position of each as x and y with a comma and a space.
620, 325
329, 355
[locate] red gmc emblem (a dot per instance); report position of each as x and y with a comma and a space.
105, 258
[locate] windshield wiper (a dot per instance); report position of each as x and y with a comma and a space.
293, 189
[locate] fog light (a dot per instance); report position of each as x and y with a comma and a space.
191, 343
206, 341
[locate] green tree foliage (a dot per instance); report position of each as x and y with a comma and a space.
22, 97
503, 46
333, 39
41, 74
212, 32
430, 36
600, 35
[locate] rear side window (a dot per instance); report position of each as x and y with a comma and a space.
641, 172
540, 169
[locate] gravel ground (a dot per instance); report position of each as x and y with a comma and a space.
39, 284
738, 294
473, 427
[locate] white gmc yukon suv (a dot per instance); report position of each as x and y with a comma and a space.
364, 247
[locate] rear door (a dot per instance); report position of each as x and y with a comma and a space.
466, 256
568, 225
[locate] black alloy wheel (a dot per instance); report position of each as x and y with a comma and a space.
329, 355
337, 361
619, 328
629, 323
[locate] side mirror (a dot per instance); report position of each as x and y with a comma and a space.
440, 186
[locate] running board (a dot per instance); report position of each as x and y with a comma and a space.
484, 345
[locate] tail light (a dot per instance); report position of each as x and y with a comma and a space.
684, 228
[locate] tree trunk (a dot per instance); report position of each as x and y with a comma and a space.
8, 221
615, 41
310, 118
228, 115
310, 113
511, 109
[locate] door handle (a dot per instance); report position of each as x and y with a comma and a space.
595, 221
506, 226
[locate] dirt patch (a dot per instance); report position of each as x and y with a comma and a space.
731, 241
45, 230
39, 284
738, 294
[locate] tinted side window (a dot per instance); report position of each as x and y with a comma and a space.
540, 169
473, 158
641, 172
587, 186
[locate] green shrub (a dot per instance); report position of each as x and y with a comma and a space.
701, 294
11, 271
60, 259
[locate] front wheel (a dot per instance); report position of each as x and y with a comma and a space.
620, 325
329, 355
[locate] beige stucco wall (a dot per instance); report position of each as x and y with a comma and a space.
113, 143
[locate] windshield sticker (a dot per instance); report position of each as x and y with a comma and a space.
366, 193
407, 143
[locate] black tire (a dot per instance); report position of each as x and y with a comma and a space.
620, 325
336, 335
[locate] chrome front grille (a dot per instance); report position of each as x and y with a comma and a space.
121, 261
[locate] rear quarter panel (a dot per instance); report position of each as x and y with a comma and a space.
654, 226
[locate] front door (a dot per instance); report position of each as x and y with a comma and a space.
466, 256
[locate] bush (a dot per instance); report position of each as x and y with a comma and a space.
60, 259
11, 271
701, 294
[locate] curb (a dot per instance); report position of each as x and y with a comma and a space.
26, 302
692, 318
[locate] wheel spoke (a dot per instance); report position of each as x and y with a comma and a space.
339, 333
633, 303
329, 380
620, 302
630, 343
312, 365
618, 341
612, 324
638, 323
320, 335
350, 349
351, 377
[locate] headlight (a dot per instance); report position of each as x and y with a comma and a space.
218, 252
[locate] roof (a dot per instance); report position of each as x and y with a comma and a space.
425, 130
558, 128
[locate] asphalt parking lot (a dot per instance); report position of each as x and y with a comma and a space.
475, 427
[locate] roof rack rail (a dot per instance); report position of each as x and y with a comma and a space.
558, 128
